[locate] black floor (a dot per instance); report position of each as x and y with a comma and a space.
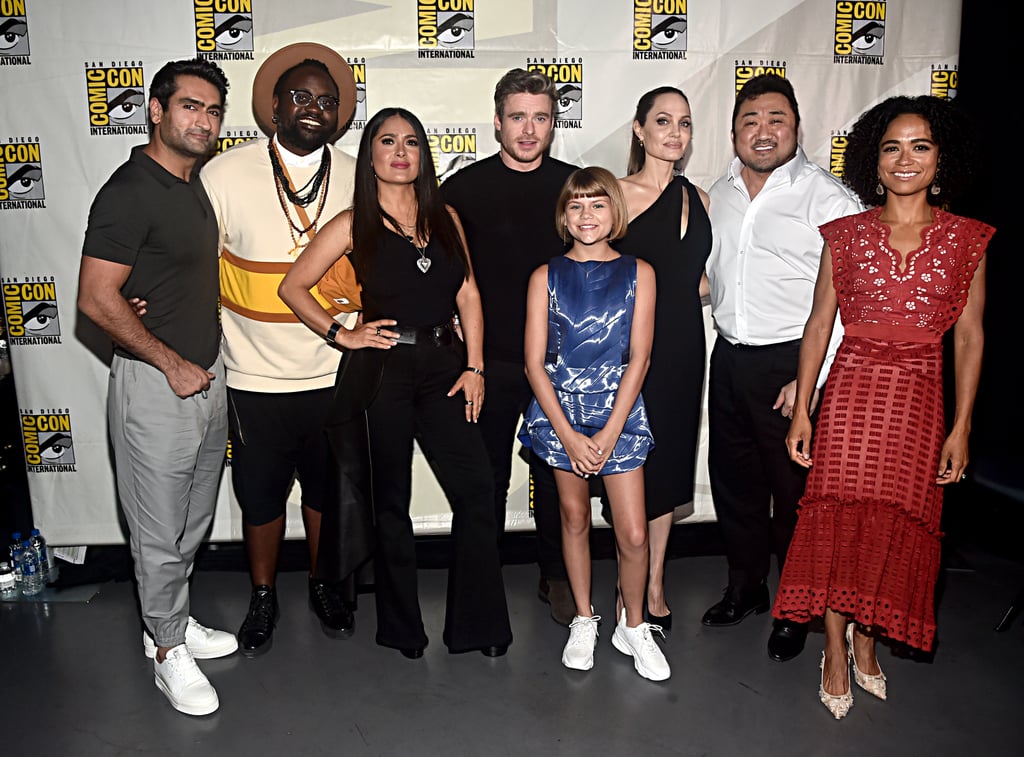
79, 683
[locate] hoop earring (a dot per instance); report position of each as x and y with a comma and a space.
273, 119
879, 189
935, 189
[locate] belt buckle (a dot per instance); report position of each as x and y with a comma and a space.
405, 336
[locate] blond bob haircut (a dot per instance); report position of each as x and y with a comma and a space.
593, 182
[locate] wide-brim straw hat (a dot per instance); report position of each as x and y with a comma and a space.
291, 55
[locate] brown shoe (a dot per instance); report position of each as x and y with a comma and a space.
557, 594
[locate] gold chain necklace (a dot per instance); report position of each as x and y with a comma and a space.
423, 263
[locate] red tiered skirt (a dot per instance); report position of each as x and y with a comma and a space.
867, 541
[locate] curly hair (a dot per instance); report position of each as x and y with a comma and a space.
952, 133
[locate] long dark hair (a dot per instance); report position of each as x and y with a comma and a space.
432, 217
637, 154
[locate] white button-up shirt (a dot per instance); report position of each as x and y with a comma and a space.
766, 252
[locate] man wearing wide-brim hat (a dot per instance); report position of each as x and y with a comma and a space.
271, 196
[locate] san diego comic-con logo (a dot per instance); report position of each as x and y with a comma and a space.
659, 29
224, 29
231, 137
30, 307
837, 153
452, 148
944, 82
21, 174
358, 66
745, 70
567, 74
444, 28
117, 98
46, 435
859, 33
14, 44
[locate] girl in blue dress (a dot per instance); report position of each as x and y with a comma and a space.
589, 327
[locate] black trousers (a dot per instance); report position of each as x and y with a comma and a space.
508, 394
755, 486
412, 402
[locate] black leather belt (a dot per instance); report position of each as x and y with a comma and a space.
437, 336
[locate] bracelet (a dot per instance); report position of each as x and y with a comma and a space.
471, 369
332, 332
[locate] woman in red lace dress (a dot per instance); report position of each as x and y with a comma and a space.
865, 554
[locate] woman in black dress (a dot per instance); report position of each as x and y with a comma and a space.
402, 372
670, 229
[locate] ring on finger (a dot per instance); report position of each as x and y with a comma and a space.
378, 331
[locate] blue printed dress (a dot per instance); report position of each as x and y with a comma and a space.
590, 315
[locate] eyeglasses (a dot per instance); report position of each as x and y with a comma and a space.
302, 98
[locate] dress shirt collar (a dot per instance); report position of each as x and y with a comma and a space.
788, 171
298, 161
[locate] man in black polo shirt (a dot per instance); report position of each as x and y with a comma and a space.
507, 207
152, 234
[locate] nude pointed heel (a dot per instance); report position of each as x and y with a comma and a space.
872, 684
837, 704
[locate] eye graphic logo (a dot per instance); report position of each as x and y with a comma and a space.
358, 66
659, 29
224, 29
859, 33
837, 153
452, 148
49, 447
567, 74
21, 174
445, 28
31, 311
944, 82
14, 44
748, 69
117, 98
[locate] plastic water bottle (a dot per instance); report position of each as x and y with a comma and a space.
15, 552
8, 586
31, 576
39, 546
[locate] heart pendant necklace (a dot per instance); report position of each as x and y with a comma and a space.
423, 263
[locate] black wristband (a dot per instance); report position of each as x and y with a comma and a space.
471, 369
332, 332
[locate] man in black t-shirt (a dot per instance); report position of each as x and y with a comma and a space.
152, 234
507, 206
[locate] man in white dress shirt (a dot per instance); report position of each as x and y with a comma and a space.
765, 213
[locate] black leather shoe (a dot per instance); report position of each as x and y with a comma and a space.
336, 618
256, 635
556, 593
494, 651
786, 640
413, 653
737, 604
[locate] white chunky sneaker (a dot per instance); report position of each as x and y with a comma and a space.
639, 643
184, 684
204, 643
579, 650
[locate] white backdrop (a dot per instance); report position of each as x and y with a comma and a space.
74, 74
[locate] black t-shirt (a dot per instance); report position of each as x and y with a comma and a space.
509, 219
166, 230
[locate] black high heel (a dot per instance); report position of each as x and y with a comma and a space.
665, 621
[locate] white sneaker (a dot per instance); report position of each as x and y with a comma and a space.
204, 643
639, 643
184, 684
579, 650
